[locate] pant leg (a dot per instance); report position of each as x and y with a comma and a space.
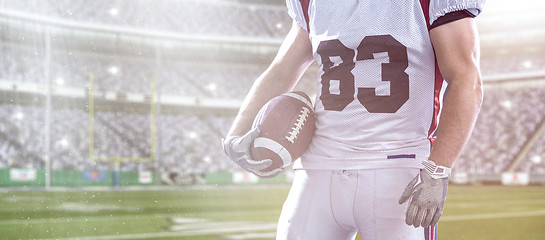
379, 215
307, 214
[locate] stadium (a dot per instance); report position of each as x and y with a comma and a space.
111, 115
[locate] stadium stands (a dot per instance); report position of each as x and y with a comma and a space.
119, 74
186, 16
512, 64
507, 119
188, 143
535, 163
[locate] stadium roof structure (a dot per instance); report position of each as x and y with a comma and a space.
107, 38
522, 32
510, 28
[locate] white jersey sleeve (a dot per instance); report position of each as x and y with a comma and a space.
439, 8
297, 12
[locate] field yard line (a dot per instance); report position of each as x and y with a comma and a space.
183, 220
254, 227
4, 190
488, 202
492, 216
209, 225
268, 235
232, 229
84, 219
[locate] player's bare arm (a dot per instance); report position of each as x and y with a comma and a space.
293, 58
291, 61
457, 50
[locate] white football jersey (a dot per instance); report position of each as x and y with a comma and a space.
379, 87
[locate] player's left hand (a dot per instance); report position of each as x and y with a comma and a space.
426, 194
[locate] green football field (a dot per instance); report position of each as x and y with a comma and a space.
204, 212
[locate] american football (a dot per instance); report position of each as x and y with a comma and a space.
286, 124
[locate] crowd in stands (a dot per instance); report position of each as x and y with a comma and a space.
508, 64
193, 17
535, 160
190, 143
508, 118
182, 142
119, 74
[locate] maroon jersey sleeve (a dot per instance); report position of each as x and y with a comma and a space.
451, 17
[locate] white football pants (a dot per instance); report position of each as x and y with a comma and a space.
335, 205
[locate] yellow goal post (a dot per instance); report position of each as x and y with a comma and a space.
152, 126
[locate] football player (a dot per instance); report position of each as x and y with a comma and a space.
380, 161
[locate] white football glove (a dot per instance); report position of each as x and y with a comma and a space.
426, 194
238, 150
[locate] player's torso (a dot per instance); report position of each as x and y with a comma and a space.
376, 81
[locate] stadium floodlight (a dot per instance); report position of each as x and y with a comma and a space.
113, 70
527, 64
59, 81
193, 135
212, 87
64, 142
114, 11
19, 115
536, 159
506, 104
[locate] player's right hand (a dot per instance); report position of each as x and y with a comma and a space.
238, 149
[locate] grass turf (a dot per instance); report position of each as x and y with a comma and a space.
242, 212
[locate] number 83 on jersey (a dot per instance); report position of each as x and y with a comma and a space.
392, 71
